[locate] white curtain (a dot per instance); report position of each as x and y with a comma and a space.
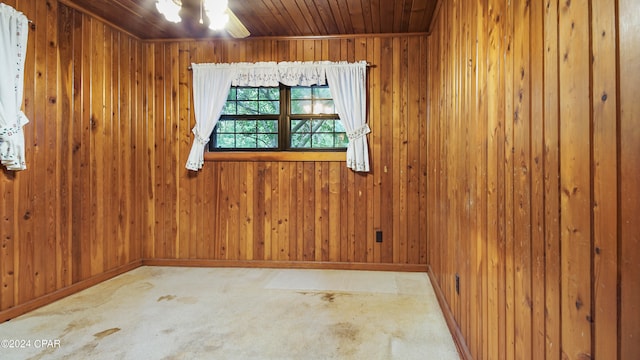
347, 85
293, 73
13, 46
298, 73
211, 84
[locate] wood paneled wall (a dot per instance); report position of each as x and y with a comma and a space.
110, 132
291, 211
533, 191
74, 215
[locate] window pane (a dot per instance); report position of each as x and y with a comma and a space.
325, 126
321, 92
225, 141
269, 107
247, 108
268, 126
300, 92
301, 106
247, 93
341, 140
246, 126
267, 141
269, 93
300, 126
322, 141
317, 134
245, 141
229, 108
251, 119
323, 107
226, 126
300, 141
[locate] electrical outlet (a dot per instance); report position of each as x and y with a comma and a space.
457, 284
378, 236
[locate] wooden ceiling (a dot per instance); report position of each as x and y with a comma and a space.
270, 17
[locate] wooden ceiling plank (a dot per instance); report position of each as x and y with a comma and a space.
406, 14
398, 13
365, 6
376, 21
387, 9
252, 15
268, 17
298, 28
309, 18
428, 14
275, 14
337, 16
348, 21
418, 8
355, 13
323, 8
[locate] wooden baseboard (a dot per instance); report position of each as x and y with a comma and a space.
31, 305
285, 265
458, 338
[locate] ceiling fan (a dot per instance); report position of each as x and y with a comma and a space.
218, 14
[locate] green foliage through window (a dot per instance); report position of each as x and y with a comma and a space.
279, 118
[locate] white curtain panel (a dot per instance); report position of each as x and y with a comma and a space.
347, 83
13, 45
211, 84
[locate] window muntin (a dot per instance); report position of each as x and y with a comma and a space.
311, 100
246, 133
252, 101
279, 118
317, 133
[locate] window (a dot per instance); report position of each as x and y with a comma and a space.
279, 118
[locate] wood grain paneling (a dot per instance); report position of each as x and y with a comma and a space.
107, 143
504, 150
73, 215
545, 246
628, 172
310, 210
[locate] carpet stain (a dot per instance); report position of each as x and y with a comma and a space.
144, 286
324, 296
347, 337
399, 334
166, 297
105, 333
329, 297
78, 324
345, 331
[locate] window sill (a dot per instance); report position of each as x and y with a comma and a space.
276, 156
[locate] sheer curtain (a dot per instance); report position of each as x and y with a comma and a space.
347, 85
13, 45
211, 84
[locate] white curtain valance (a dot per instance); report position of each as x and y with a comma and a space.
13, 47
349, 95
294, 73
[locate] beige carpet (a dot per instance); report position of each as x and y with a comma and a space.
230, 313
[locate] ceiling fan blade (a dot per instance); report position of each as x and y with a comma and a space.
235, 28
